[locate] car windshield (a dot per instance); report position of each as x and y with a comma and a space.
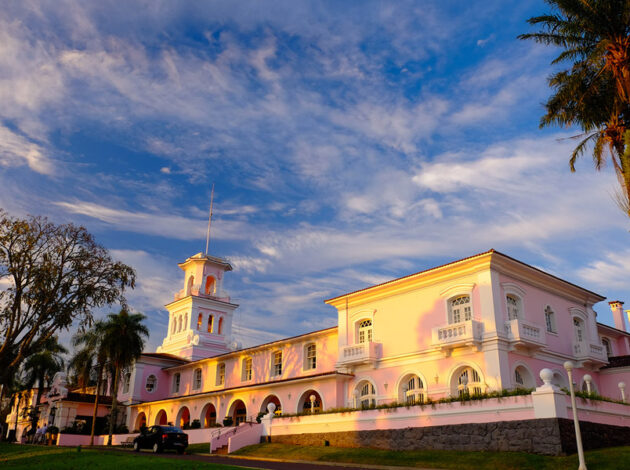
170, 429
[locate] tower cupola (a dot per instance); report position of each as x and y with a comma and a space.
200, 316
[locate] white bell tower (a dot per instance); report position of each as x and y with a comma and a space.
200, 317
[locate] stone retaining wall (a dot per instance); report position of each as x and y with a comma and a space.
551, 436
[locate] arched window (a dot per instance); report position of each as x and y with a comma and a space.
366, 395
607, 345
460, 309
513, 307
197, 379
518, 378
221, 374
220, 325
578, 326
210, 323
185, 321
126, 382
151, 383
199, 321
310, 357
174, 322
179, 326
550, 320
412, 390
189, 285
210, 285
176, 381
246, 373
468, 380
276, 363
365, 331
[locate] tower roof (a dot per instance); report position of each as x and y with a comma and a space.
205, 258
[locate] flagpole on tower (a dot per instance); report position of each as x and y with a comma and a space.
209, 219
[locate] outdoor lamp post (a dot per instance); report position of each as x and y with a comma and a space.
622, 389
312, 398
578, 436
588, 380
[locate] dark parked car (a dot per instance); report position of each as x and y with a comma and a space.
159, 438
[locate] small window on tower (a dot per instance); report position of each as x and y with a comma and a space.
210, 285
199, 321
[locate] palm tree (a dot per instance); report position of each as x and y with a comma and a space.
123, 338
594, 93
90, 355
40, 368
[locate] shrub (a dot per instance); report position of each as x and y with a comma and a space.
228, 421
196, 424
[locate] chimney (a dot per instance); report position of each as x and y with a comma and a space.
617, 310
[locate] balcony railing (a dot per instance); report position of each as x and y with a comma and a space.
525, 333
458, 334
360, 353
589, 352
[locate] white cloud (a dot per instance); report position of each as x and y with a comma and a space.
160, 224
610, 272
17, 150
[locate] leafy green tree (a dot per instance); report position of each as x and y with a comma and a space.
56, 275
91, 355
39, 368
123, 336
594, 92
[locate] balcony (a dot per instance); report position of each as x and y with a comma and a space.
361, 353
589, 353
524, 333
468, 333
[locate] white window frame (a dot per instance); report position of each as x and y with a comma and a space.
414, 390
365, 331
177, 379
220, 374
463, 315
367, 394
276, 363
155, 381
126, 382
550, 320
514, 311
310, 356
609, 350
474, 382
197, 378
247, 367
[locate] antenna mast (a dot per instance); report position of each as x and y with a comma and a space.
209, 219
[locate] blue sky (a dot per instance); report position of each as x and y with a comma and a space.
350, 143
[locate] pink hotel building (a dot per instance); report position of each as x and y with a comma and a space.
484, 323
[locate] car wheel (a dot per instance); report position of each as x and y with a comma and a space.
156, 448
180, 451
136, 447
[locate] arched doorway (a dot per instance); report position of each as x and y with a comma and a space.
183, 418
160, 418
238, 412
308, 405
411, 390
523, 378
271, 399
209, 416
364, 395
466, 381
141, 421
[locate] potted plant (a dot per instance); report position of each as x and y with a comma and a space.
228, 421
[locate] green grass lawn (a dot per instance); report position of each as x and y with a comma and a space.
613, 458
14, 456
